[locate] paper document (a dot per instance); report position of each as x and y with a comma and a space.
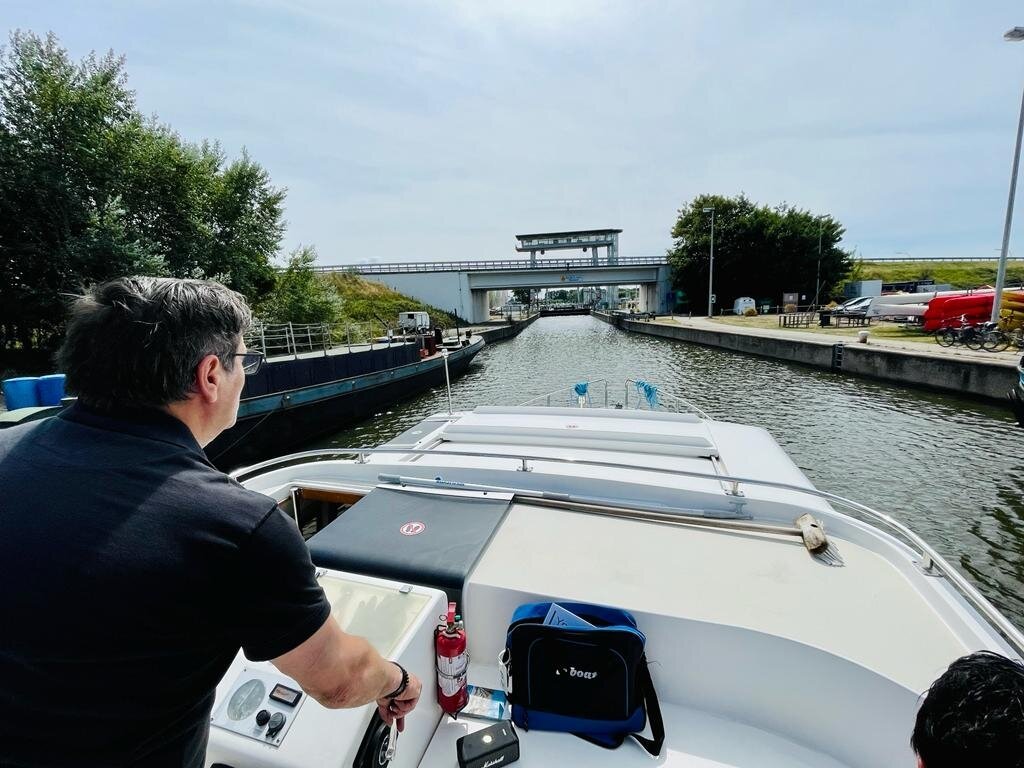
562, 617
486, 703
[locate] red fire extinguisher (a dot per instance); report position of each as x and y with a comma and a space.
452, 663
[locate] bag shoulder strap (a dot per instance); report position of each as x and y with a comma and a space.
657, 740
652, 745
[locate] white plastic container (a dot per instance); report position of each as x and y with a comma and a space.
742, 304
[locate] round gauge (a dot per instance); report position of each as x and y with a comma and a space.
246, 699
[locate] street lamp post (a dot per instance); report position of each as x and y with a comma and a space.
711, 264
817, 276
1016, 34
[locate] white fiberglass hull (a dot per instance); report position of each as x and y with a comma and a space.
781, 657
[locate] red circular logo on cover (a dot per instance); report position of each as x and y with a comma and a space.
412, 528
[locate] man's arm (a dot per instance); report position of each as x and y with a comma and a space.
341, 670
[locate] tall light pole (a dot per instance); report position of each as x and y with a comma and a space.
817, 277
1015, 35
711, 264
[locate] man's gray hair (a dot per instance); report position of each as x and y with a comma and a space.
136, 341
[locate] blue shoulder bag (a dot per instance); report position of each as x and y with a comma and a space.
592, 682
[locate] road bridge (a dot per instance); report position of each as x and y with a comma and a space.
462, 286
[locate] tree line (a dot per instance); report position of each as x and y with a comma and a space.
760, 251
91, 189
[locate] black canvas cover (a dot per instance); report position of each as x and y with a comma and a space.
421, 538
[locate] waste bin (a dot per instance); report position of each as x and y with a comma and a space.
825, 318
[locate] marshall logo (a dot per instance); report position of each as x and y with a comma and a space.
495, 761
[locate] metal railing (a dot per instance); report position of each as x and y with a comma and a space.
570, 399
503, 264
928, 560
567, 396
294, 339
681, 404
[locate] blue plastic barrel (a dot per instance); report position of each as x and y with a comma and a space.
50, 389
21, 392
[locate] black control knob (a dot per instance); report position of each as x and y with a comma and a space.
277, 721
262, 717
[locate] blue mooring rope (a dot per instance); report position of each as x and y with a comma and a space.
649, 392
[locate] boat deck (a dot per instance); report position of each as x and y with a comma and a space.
666, 572
762, 654
693, 739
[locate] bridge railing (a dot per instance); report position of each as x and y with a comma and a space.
474, 266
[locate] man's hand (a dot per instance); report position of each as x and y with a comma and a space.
341, 670
404, 703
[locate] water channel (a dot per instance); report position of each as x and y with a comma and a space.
953, 469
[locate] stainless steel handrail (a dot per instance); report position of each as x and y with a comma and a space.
929, 560
546, 397
661, 393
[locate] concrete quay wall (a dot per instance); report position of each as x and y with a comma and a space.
991, 380
810, 352
505, 330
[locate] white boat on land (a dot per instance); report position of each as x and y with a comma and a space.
913, 304
903, 304
763, 652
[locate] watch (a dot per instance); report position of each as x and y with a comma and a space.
402, 685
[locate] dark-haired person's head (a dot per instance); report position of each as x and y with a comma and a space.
973, 715
153, 342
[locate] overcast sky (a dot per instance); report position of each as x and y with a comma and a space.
438, 130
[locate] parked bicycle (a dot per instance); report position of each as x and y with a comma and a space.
998, 340
978, 336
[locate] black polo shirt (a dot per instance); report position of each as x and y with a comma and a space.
133, 571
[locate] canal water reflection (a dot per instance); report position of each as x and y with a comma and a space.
952, 468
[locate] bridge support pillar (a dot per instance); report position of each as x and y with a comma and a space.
480, 308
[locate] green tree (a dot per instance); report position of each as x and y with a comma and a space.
90, 190
301, 295
759, 251
521, 295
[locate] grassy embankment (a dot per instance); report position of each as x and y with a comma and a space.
366, 301
958, 274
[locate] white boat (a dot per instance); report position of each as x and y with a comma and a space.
904, 304
883, 308
913, 304
762, 652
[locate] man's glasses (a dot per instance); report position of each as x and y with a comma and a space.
251, 361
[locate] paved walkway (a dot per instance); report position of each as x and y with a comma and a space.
924, 348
